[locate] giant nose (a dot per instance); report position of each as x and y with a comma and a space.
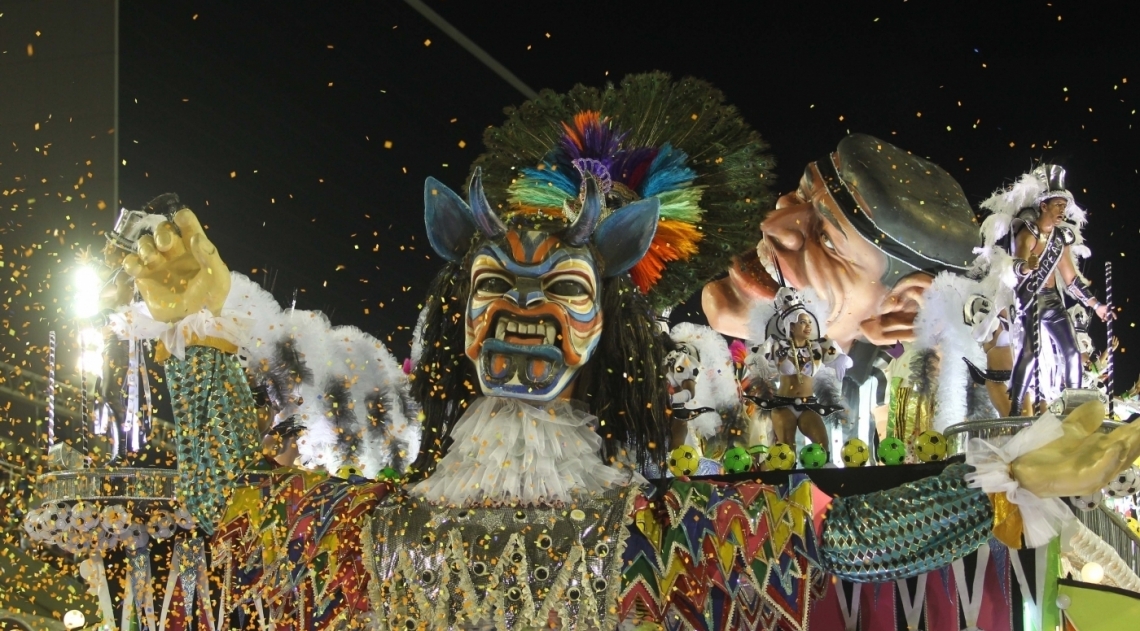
787, 226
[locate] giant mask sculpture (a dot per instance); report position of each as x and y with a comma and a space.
533, 318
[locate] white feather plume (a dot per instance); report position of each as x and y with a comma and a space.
1026, 192
335, 356
940, 326
716, 384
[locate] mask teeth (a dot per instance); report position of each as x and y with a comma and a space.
547, 329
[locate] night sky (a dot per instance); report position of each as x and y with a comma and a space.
301, 132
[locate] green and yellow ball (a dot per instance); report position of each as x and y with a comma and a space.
855, 453
737, 460
813, 456
892, 451
683, 461
781, 457
930, 446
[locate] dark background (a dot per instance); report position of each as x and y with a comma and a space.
270, 120
998, 84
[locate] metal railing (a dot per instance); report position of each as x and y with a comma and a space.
1111, 527
24, 385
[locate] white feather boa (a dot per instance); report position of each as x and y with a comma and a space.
716, 384
940, 326
337, 357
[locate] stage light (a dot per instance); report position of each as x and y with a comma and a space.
87, 288
91, 351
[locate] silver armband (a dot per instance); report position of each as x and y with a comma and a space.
1080, 290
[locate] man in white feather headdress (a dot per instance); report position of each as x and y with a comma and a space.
1039, 222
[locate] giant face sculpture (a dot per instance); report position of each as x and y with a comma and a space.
867, 229
533, 317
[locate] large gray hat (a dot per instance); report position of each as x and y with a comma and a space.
909, 207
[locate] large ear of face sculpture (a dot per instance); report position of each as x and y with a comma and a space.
623, 238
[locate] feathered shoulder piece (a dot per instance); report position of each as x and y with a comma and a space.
650, 136
1018, 201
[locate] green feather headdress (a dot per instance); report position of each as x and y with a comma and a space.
649, 136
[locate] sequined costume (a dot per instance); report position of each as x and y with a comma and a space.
1044, 319
216, 440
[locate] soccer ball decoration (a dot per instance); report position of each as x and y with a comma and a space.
83, 517
35, 525
347, 472
813, 456
930, 446
1126, 483
737, 460
892, 451
855, 453
161, 524
683, 461
135, 536
55, 519
1134, 525
388, 473
183, 519
115, 519
103, 541
781, 457
1087, 502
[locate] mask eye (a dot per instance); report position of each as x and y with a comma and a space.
568, 288
826, 241
493, 285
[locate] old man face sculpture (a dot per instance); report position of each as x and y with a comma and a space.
533, 317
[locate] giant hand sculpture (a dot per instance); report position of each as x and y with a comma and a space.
1080, 462
178, 271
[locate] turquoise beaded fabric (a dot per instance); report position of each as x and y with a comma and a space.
216, 435
906, 531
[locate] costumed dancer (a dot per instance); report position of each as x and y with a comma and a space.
796, 351
1042, 222
516, 554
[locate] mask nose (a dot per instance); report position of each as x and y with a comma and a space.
527, 292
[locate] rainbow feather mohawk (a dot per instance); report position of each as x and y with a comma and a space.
592, 144
649, 137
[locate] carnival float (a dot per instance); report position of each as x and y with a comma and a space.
900, 432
